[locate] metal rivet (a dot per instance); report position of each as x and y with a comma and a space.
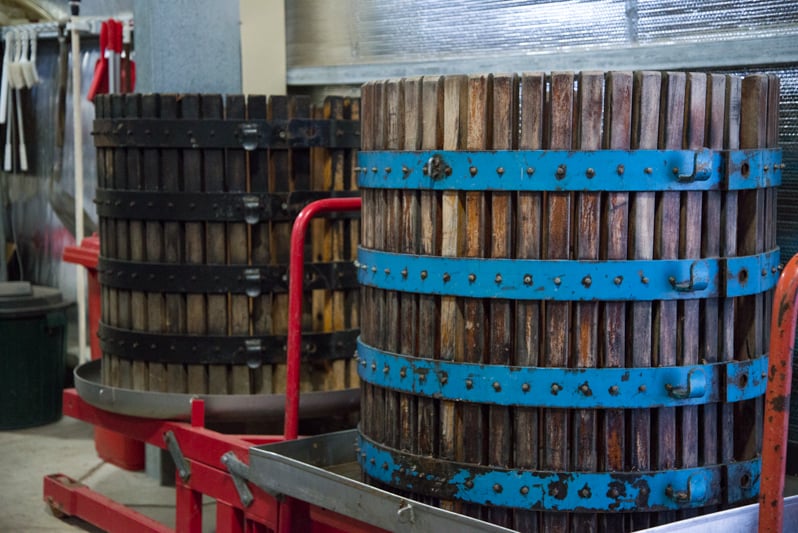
587, 281
614, 493
422, 378
498, 278
404, 273
525, 387
497, 386
560, 172
403, 372
363, 362
675, 170
648, 170
524, 490
584, 388
469, 484
386, 369
363, 455
644, 280
584, 493
765, 168
557, 280
372, 461
500, 171
374, 269
447, 171
555, 388
590, 173
530, 170
405, 170
423, 274
764, 272
497, 488
773, 270
362, 267
387, 170
668, 387
374, 169
385, 466
618, 280
620, 169
446, 277
473, 171
527, 279
374, 366
444, 379
614, 390
472, 277
387, 271
469, 384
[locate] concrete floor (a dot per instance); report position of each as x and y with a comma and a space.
67, 447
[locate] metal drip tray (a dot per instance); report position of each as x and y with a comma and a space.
218, 407
322, 470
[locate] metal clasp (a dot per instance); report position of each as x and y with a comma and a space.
252, 208
253, 349
252, 281
702, 167
699, 278
249, 135
696, 386
436, 168
695, 492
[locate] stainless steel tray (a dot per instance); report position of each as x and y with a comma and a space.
322, 470
227, 407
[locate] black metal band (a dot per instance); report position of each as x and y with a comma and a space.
249, 207
215, 279
247, 134
222, 349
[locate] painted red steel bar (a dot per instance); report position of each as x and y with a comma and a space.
71, 498
296, 273
777, 400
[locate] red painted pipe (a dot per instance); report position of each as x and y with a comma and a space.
296, 273
777, 400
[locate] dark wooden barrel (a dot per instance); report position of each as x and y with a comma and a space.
567, 288
196, 197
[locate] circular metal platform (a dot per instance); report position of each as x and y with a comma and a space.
218, 407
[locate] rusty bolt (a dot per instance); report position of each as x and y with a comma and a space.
614, 492
587, 281
527, 279
469, 484
423, 274
469, 384
620, 170
590, 173
614, 390
524, 490
473, 171
497, 487
675, 170
472, 277
618, 280
446, 277
447, 171
648, 170
644, 280
500, 171
555, 388
641, 388
530, 171
525, 387
560, 172
497, 386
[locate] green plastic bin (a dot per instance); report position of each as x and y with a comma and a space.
32, 350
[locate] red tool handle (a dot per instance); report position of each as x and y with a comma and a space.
296, 273
777, 400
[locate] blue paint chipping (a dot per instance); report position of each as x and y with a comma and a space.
577, 388
559, 170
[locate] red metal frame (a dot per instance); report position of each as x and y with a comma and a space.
777, 400
203, 448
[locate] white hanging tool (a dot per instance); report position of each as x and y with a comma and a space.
25, 66
23, 151
8, 163
34, 44
4, 88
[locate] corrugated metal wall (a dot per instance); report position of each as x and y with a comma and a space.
348, 42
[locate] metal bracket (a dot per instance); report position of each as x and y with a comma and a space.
239, 473
557, 490
221, 279
222, 349
560, 170
247, 134
568, 388
183, 468
569, 280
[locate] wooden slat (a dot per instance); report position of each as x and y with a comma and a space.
615, 227
260, 248
172, 377
557, 322
408, 325
504, 136
196, 308
101, 106
587, 236
367, 239
645, 133
235, 176
528, 246
351, 241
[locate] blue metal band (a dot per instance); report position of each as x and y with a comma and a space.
577, 388
560, 170
561, 491
541, 279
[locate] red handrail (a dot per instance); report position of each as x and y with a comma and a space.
296, 273
777, 400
